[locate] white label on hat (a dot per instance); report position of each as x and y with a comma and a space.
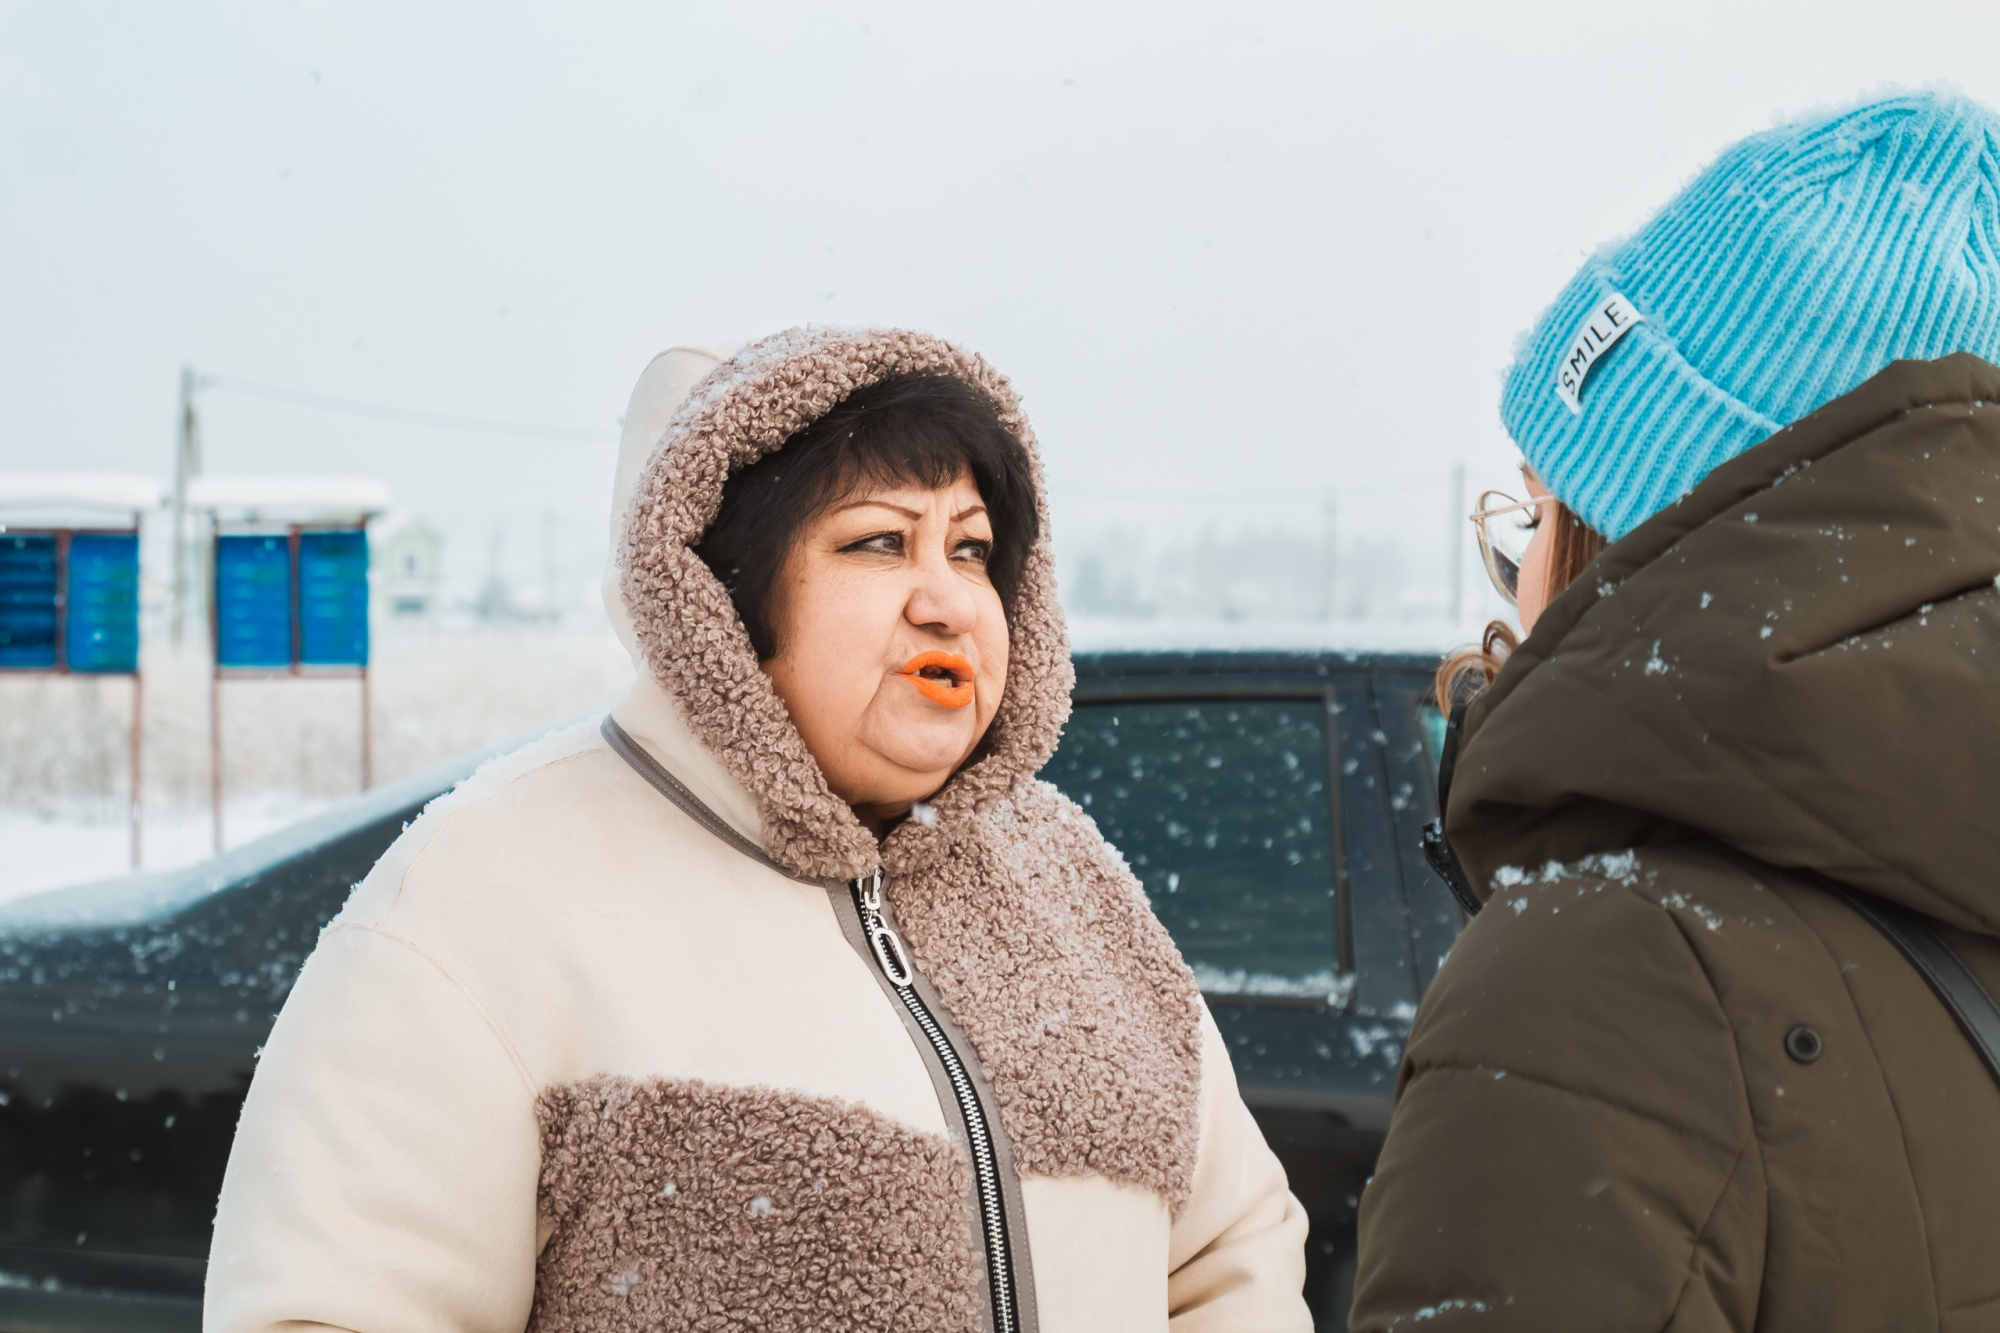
1605, 325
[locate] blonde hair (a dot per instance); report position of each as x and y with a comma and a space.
1573, 546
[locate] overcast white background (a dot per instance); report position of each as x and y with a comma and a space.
1230, 253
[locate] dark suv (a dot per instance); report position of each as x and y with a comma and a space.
1271, 803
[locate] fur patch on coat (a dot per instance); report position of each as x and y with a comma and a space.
1039, 940
680, 1204
1044, 947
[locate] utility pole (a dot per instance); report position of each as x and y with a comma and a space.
1329, 554
549, 564
187, 466
1456, 544
495, 601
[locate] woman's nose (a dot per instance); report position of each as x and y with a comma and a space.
940, 601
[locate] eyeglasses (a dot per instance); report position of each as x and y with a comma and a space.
1503, 544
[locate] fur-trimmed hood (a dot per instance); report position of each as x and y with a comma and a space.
686, 631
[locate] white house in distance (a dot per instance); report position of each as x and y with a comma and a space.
406, 566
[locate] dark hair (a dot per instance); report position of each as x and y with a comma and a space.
917, 429
1573, 545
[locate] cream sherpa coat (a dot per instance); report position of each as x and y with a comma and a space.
570, 1060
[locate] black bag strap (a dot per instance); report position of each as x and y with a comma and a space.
1916, 939
1437, 851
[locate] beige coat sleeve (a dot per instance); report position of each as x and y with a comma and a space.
384, 1173
1237, 1255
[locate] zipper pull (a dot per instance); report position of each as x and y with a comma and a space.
886, 943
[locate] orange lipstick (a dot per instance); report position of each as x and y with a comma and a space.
943, 678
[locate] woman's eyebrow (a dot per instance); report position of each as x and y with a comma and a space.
913, 514
872, 503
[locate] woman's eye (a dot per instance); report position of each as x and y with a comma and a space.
977, 551
881, 543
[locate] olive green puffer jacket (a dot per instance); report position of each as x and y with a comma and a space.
1601, 1123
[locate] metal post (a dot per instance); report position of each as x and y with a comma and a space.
215, 699
367, 734
138, 766
187, 466
1329, 553
549, 564
138, 813
63, 536
1457, 543
367, 707
298, 629
215, 753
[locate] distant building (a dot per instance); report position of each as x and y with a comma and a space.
406, 566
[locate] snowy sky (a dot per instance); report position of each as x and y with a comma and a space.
1232, 254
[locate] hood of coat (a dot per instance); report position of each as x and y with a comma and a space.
1797, 659
689, 638
663, 386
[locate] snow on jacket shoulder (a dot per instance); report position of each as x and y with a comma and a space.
570, 1060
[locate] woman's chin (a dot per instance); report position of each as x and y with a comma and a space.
927, 749
928, 767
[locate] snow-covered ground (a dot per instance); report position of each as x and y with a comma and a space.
42, 853
291, 746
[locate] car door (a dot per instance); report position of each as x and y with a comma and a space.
1270, 805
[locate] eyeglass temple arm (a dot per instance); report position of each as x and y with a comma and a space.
1479, 514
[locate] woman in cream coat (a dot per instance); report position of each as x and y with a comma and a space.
762, 1004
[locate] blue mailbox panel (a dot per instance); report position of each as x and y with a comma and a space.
28, 600
333, 598
102, 631
253, 601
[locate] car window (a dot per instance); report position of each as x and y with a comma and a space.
1222, 810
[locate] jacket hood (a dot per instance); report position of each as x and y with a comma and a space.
687, 634
1798, 660
663, 386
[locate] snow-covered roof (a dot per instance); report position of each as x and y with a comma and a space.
78, 490
288, 497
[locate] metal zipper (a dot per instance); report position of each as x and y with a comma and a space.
894, 961
901, 976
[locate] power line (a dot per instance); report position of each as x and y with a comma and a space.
1299, 496
442, 420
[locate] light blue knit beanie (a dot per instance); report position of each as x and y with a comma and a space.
1799, 265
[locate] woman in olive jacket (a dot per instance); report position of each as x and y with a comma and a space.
1668, 1078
